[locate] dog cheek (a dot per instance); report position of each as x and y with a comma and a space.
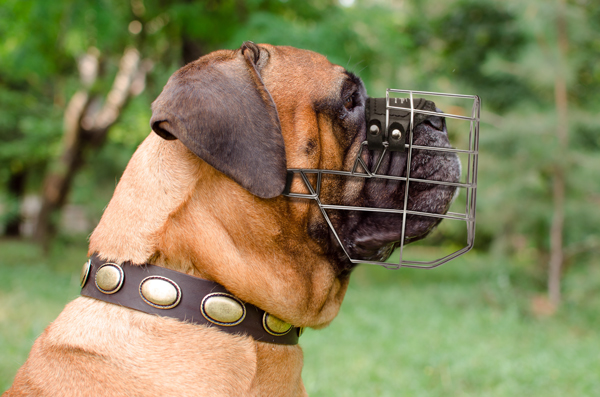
353, 192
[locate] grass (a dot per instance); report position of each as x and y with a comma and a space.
33, 291
464, 329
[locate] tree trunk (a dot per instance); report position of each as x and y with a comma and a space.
562, 133
191, 50
16, 191
85, 130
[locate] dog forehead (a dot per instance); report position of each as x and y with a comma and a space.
306, 74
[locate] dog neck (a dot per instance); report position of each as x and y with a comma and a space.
156, 181
173, 210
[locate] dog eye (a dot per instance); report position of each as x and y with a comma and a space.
349, 102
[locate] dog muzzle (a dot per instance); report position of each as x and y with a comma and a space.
392, 130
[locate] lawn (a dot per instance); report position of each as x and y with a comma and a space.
464, 329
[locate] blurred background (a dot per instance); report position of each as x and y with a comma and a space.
518, 315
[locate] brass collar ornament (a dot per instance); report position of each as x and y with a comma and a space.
156, 290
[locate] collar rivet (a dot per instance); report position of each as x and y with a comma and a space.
85, 272
160, 292
109, 278
275, 326
223, 309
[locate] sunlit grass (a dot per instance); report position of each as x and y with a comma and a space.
465, 328
33, 291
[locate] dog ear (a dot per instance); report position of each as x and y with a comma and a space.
219, 108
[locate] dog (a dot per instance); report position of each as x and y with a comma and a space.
201, 197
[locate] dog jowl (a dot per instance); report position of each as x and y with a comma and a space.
374, 235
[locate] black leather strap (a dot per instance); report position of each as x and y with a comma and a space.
375, 113
193, 291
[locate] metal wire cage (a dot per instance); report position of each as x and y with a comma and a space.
463, 126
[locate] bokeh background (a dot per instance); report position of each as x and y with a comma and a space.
519, 315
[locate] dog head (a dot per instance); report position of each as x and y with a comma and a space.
247, 116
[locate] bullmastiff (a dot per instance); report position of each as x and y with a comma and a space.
198, 223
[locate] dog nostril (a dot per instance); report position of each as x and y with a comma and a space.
435, 122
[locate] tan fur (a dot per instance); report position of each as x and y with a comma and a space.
172, 209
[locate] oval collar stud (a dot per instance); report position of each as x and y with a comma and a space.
223, 309
109, 278
160, 292
85, 272
275, 326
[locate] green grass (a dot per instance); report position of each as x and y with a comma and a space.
464, 329
33, 291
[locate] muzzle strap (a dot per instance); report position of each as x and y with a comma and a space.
164, 292
388, 124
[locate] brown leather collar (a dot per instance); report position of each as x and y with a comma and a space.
156, 290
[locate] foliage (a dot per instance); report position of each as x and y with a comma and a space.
504, 51
521, 209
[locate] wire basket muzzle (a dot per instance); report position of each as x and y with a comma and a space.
392, 126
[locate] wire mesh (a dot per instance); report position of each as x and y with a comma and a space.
464, 109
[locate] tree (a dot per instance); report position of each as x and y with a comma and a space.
504, 51
86, 127
95, 33
537, 191
29, 114
558, 180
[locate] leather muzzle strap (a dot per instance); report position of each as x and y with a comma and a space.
164, 292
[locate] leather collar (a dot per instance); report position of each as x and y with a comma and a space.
164, 292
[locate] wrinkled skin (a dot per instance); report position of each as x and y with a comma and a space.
373, 236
